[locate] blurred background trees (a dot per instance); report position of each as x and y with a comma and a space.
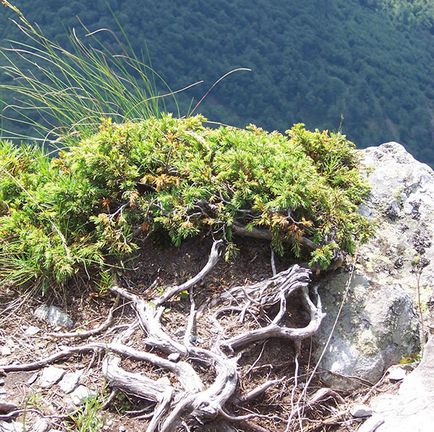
362, 66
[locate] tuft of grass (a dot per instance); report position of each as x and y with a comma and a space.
60, 94
88, 418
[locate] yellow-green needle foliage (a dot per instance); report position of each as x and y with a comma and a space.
90, 206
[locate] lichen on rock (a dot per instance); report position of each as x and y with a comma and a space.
380, 321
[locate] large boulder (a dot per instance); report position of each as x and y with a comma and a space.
393, 278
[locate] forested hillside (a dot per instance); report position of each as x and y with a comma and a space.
362, 66
407, 12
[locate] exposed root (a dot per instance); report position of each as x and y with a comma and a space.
260, 390
186, 397
262, 234
212, 261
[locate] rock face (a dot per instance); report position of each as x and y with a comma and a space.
412, 409
376, 328
378, 324
402, 200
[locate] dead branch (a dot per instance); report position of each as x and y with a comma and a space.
252, 427
188, 398
65, 353
245, 417
322, 395
262, 234
274, 329
212, 261
191, 324
258, 391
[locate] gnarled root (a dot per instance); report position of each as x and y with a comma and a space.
189, 397
203, 403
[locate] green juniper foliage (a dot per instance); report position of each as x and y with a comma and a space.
87, 208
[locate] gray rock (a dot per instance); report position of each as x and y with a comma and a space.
41, 425
50, 376
70, 381
396, 374
32, 330
174, 357
360, 411
398, 180
5, 351
2, 382
371, 424
11, 427
376, 328
412, 408
32, 379
108, 425
54, 316
379, 324
80, 394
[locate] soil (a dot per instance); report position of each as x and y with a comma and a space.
160, 266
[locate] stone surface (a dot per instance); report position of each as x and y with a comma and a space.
32, 330
41, 425
80, 394
50, 376
412, 409
396, 374
360, 411
11, 427
379, 323
403, 246
54, 316
70, 381
376, 328
5, 351
371, 424
33, 378
174, 357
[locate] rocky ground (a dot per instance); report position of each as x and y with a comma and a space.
67, 394
46, 397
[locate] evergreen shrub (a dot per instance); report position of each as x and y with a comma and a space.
86, 209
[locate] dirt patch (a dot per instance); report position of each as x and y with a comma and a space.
160, 266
